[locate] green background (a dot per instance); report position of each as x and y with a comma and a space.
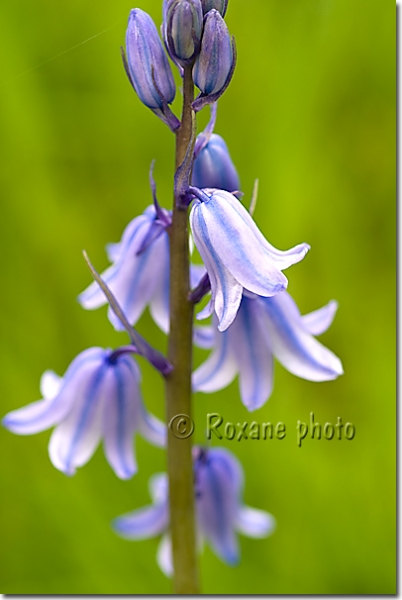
311, 112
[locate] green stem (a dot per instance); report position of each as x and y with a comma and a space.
178, 383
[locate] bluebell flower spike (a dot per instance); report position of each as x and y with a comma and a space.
98, 397
219, 5
220, 512
235, 253
148, 68
264, 328
216, 62
182, 29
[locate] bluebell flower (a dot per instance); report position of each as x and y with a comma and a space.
213, 167
148, 68
220, 512
263, 328
98, 397
214, 65
138, 276
182, 28
220, 5
236, 254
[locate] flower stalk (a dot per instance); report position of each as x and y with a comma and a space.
178, 383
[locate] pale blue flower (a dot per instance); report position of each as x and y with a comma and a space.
263, 328
220, 512
235, 253
98, 398
138, 277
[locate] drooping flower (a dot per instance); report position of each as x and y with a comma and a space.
138, 276
263, 328
182, 28
220, 512
236, 254
213, 167
148, 68
98, 397
215, 64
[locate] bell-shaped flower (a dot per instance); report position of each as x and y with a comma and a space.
148, 68
220, 511
182, 28
98, 397
236, 254
220, 5
213, 167
263, 328
215, 64
139, 275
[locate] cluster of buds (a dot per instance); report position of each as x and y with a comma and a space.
195, 35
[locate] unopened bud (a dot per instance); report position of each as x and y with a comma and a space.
213, 167
149, 68
214, 66
220, 5
183, 23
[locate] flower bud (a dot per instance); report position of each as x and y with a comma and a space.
213, 167
147, 66
183, 29
214, 66
220, 5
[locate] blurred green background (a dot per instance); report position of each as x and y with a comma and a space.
311, 112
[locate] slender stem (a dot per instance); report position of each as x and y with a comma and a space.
178, 383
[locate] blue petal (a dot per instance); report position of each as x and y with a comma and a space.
136, 279
50, 384
254, 523
298, 351
213, 167
152, 429
319, 320
253, 355
238, 248
75, 439
93, 297
164, 556
282, 258
204, 337
121, 417
218, 491
43, 414
226, 291
143, 523
159, 303
219, 370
